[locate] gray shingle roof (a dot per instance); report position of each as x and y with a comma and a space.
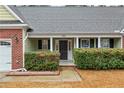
73, 19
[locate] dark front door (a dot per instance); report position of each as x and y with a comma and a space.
63, 49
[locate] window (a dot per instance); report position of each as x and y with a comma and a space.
105, 43
3, 43
43, 44
39, 44
111, 43
56, 45
91, 43
85, 43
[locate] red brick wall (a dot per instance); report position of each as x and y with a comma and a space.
17, 45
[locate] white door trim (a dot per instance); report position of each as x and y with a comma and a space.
57, 40
70, 49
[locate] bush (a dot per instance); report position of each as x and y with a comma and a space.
102, 58
42, 61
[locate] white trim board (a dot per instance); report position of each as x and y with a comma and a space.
74, 36
14, 14
9, 25
7, 39
13, 26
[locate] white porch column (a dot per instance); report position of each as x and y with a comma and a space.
99, 42
77, 42
121, 41
51, 43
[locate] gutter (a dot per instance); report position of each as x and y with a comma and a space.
10, 25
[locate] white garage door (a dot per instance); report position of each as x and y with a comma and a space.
5, 55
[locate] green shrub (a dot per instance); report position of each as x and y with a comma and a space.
102, 58
42, 61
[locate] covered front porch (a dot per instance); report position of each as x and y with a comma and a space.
65, 45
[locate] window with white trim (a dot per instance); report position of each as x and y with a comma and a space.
56, 45
43, 44
105, 43
85, 43
3, 43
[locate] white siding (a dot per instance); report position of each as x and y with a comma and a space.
5, 14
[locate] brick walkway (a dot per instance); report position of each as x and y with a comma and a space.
66, 74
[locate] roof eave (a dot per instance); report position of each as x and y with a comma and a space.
11, 25
30, 33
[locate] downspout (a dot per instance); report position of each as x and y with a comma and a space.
24, 49
26, 37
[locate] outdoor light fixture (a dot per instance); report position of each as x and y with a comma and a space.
15, 38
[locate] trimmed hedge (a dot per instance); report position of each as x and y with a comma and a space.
42, 61
102, 58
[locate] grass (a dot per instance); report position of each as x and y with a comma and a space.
90, 79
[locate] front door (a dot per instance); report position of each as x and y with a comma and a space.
63, 49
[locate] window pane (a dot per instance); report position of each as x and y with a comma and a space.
39, 44
105, 43
56, 45
45, 44
91, 43
49, 44
111, 43
85, 43
2, 43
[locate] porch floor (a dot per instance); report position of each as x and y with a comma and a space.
66, 63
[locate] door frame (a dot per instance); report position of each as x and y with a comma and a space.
66, 42
9, 40
57, 49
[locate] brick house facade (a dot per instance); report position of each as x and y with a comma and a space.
17, 45
56, 29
